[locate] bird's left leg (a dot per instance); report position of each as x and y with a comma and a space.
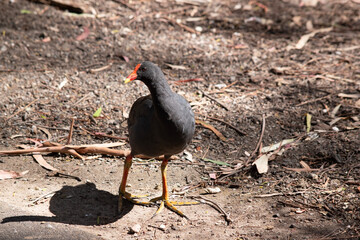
122, 192
165, 195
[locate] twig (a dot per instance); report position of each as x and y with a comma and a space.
97, 134
278, 194
312, 100
173, 21
101, 68
43, 196
212, 128
70, 6
57, 174
216, 207
77, 150
239, 169
158, 13
353, 182
71, 131
179, 82
259, 142
22, 109
215, 100
230, 125
124, 4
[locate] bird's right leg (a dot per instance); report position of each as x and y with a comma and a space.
122, 193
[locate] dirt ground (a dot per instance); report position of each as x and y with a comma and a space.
246, 60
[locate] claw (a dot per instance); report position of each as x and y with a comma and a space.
170, 205
131, 198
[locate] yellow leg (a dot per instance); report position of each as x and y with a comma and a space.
165, 195
122, 192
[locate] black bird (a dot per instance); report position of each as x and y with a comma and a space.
161, 123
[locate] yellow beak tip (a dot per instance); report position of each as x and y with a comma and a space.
127, 80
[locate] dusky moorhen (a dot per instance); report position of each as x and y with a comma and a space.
161, 123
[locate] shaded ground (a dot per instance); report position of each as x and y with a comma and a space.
246, 57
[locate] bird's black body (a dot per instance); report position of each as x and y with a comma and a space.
161, 123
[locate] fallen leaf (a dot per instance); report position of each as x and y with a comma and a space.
40, 160
25, 11
305, 168
126, 59
206, 125
345, 95
276, 146
44, 130
216, 162
47, 39
97, 113
84, 34
335, 111
11, 174
262, 163
212, 176
63, 83
308, 122
178, 67
335, 121
305, 38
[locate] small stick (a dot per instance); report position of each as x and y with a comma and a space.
22, 109
57, 174
251, 155
43, 196
259, 142
71, 131
121, 2
312, 100
104, 135
215, 100
101, 68
173, 21
216, 207
230, 125
278, 194
77, 150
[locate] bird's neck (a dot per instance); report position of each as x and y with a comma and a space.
160, 90
161, 94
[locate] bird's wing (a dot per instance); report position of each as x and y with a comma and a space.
141, 108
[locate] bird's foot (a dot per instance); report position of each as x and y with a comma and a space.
131, 198
170, 205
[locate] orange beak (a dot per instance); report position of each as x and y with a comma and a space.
133, 75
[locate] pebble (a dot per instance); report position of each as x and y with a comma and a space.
162, 227
276, 215
212, 190
135, 229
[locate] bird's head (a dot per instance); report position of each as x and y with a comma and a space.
146, 72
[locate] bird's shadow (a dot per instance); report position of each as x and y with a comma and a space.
80, 205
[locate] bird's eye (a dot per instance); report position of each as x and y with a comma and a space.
143, 69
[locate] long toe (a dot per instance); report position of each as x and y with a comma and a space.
133, 198
170, 206
176, 203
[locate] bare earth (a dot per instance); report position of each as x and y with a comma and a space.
248, 64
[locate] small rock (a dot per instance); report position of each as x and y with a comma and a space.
135, 229
212, 190
292, 226
162, 227
276, 215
